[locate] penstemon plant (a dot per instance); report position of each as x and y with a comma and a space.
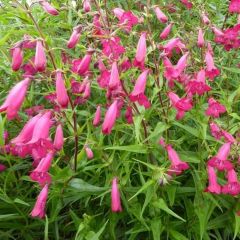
119, 119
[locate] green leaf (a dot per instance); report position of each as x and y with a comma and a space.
83, 186
130, 148
161, 204
145, 186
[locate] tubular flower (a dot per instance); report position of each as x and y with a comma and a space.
59, 138
86, 5
177, 166
141, 50
48, 7
40, 173
74, 38
115, 197
89, 152
174, 43
213, 186
40, 59
39, 208
17, 58
160, 15
214, 108
200, 41
129, 115
182, 105
2, 168
166, 31
220, 160
198, 85
97, 117
233, 186
137, 95
114, 81
83, 66
110, 118
187, 3
211, 70
26, 134
15, 99
61, 92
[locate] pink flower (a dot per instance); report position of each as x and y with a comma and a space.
214, 108
87, 91
166, 31
83, 66
74, 38
17, 58
128, 20
211, 70
114, 81
26, 134
205, 19
234, 6
15, 99
129, 115
40, 60
112, 48
118, 12
48, 8
233, 186
213, 186
61, 92
89, 152
173, 72
2, 167
115, 196
41, 128
110, 118
39, 208
86, 5
215, 130
29, 68
174, 43
137, 95
198, 85
59, 138
182, 105
160, 15
200, 41
187, 3
141, 49
228, 137
40, 173
97, 117
177, 166
220, 160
